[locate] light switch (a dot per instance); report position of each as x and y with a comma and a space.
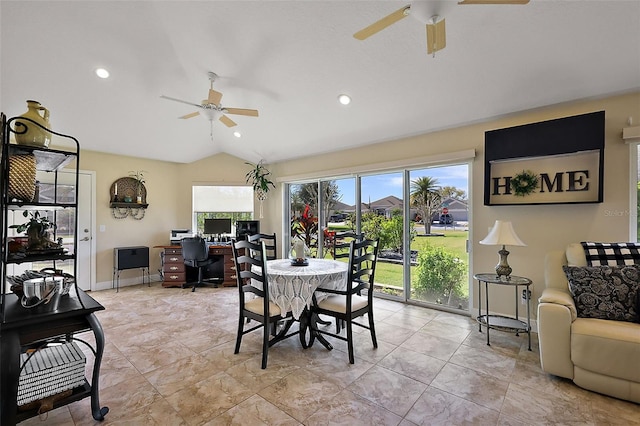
103, 228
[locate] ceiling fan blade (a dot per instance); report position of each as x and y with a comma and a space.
193, 114
382, 24
180, 100
227, 121
242, 111
214, 97
436, 37
493, 2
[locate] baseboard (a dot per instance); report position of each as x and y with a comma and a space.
125, 282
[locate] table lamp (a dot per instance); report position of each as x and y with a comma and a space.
502, 234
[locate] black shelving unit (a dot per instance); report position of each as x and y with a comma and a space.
25, 329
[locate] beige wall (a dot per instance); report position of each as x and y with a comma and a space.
542, 227
169, 197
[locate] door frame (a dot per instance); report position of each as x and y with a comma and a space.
91, 202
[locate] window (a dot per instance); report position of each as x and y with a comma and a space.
414, 238
217, 202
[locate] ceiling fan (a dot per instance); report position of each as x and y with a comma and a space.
212, 108
420, 10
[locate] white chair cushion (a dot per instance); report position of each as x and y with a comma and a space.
257, 306
339, 303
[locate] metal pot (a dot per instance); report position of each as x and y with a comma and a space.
42, 291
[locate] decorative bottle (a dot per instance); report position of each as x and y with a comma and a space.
28, 133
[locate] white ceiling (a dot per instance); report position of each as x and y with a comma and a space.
291, 59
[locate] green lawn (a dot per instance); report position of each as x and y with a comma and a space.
454, 241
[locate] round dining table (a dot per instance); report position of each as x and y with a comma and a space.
292, 287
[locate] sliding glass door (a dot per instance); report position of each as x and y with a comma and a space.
440, 263
420, 216
382, 211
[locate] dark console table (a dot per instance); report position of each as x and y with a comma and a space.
134, 257
24, 328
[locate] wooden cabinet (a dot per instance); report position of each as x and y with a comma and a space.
174, 272
229, 267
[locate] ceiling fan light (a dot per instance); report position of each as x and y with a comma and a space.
421, 11
344, 99
211, 114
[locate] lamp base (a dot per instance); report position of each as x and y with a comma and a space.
503, 268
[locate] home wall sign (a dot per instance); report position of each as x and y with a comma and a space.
552, 162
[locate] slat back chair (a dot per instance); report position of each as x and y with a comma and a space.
270, 243
340, 247
349, 304
340, 250
251, 271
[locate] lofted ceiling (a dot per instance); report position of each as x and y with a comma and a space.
291, 59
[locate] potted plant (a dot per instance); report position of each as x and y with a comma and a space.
37, 230
258, 176
138, 175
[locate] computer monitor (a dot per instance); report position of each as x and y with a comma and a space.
217, 226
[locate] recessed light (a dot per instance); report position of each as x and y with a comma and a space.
344, 99
237, 134
102, 73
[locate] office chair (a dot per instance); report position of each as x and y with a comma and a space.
196, 254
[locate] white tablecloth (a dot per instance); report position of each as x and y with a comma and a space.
291, 287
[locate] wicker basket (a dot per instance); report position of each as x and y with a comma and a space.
22, 177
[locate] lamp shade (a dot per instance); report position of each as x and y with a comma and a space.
502, 233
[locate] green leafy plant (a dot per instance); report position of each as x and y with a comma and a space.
524, 183
37, 229
392, 233
258, 177
439, 273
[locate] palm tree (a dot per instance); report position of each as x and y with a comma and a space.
426, 197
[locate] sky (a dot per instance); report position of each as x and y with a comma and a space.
378, 186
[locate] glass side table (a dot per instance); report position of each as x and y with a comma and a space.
500, 322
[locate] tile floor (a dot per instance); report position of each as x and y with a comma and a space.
169, 361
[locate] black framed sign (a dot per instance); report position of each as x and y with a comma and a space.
552, 162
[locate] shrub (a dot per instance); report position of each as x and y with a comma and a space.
372, 225
439, 273
391, 235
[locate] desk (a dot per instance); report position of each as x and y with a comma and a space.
292, 287
174, 272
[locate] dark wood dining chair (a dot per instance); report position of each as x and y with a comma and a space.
349, 304
270, 243
341, 240
251, 265
340, 250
